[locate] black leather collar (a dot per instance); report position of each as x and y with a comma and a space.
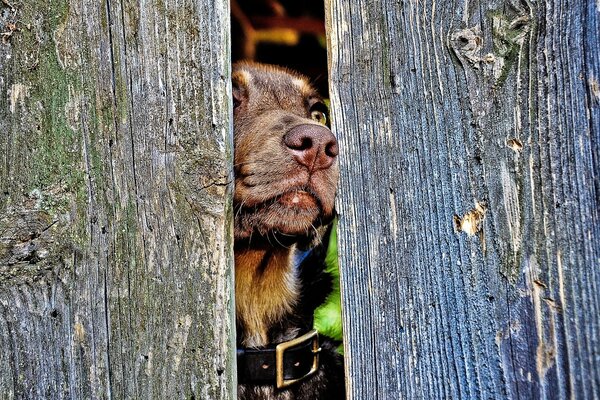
299, 359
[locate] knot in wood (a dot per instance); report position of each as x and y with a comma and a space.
467, 44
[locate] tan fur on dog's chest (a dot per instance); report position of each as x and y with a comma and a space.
265, 289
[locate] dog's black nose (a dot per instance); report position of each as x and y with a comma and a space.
313, 146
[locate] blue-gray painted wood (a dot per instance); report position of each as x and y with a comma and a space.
116, 256
470, 197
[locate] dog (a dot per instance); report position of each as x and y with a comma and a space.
286, 174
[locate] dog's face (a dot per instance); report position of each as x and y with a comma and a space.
286, 167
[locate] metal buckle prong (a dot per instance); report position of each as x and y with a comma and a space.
281, 349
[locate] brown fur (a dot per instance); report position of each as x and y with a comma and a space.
263, 293
279, 202
272, 101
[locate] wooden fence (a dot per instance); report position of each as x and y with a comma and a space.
470, 197
470, 190
115, 233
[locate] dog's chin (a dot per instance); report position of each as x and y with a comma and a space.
293, 215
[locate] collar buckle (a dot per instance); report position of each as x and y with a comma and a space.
280, 352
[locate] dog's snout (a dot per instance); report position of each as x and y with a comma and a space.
311, 145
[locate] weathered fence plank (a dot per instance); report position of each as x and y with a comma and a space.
470, 197
115, 233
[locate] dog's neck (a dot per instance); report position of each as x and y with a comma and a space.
266, 289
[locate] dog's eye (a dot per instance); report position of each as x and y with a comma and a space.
319, 116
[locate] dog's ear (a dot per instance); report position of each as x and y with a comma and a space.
237, 95
239, 84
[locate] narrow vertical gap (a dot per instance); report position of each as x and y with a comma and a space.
289, 34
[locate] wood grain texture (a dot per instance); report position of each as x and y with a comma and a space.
115, 213
484, 115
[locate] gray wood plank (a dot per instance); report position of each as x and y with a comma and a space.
115, 233
481, 116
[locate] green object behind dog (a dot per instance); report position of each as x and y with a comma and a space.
328, 316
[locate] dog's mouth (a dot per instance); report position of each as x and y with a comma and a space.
299, 198
294, 213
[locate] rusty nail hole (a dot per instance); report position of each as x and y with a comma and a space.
515, 144
471, 223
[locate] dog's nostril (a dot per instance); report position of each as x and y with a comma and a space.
307, 143
331, 149
298, 141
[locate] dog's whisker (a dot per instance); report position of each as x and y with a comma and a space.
315, 229
279, 243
